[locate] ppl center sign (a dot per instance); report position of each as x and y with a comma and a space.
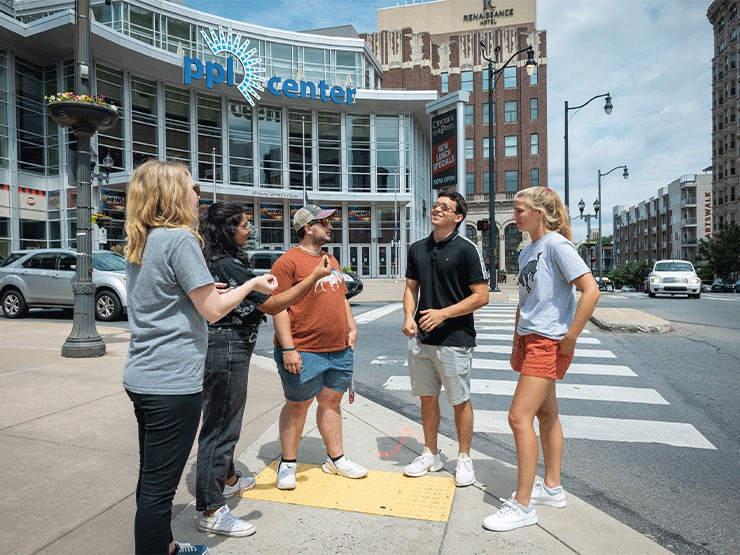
252, 85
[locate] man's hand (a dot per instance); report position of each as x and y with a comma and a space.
322, 269
567, 345
222, 287
409, 327
292, 362
431, 318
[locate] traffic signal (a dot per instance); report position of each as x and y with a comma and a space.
484, 225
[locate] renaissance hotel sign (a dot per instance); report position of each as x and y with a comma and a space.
254, 82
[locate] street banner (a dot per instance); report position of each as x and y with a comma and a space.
444, 150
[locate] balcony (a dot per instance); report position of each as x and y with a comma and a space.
688, 201
688, 221
688, 241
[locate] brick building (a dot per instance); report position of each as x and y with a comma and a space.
723, 16
436, 46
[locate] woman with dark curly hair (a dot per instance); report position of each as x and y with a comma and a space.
225, 229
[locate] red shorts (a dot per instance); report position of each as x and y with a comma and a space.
540, 357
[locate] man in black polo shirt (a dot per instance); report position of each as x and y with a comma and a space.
445, 273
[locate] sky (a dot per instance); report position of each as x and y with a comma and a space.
653, 56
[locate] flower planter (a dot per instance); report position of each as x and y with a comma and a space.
84, 118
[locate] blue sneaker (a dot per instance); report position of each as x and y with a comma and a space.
189, 549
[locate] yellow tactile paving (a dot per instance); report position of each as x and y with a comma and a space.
379, 493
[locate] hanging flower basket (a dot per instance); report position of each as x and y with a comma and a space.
84, 114
99, 219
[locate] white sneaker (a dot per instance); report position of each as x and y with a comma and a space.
242, 484
344, 467
464, 473
542, 495
286, 475
510, 516
424, 463
224, 523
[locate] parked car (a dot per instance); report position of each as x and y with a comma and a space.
628, 289
737, 286
706, 285
43, 278
723, 286
262, 261
672, 277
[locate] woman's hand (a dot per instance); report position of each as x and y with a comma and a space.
322, 269
264, 284
352, 338
567, 344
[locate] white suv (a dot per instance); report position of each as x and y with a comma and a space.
672, 277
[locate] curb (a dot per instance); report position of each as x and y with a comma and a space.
660, 326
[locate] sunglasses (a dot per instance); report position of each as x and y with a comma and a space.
324, 222
443, 206
196, 188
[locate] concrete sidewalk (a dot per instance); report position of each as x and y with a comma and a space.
69, 454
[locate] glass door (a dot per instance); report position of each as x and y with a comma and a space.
383, 261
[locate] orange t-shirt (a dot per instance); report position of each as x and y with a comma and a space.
318, 321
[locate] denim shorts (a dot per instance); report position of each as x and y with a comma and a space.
332, 370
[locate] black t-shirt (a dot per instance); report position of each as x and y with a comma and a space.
445, 271
233, 272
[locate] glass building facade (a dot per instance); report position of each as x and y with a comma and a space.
366, 155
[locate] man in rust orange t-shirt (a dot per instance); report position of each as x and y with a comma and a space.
314, 348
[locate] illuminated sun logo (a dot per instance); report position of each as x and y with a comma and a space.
252, 64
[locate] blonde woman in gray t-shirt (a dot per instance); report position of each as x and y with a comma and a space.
171, 294
548, 322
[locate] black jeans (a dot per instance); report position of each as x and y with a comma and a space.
167, 427
224, 397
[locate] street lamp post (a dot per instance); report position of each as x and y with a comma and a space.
608, 109
530, 66
587, 217
625, 175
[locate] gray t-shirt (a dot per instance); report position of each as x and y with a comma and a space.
547, 298
169, 338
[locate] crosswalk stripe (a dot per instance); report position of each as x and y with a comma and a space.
507, 337
506, 350
677, 434
506, 327
376, 313
574, 368
496, 320
564, 390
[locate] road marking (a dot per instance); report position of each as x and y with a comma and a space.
509, 328
507, 337
376, 313
677, 434
383, 360
496, 320
506, 350
574, 368
564, 390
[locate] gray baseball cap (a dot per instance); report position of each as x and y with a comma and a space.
309, 213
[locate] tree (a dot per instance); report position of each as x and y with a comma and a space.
722, 255
630, 273
607, 240
252, 244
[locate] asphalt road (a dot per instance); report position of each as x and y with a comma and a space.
686, 498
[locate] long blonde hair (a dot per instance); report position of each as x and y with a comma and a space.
547, 201
157, 197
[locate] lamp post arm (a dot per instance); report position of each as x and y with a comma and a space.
611, 170
587, 102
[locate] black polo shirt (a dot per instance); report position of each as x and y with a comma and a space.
445, 271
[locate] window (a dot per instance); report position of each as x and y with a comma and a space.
469, 149
466, 81
469, 115
143, 119
390, 174
533, 109
485, 113
330, 151
484, 79
270, 150
510, 145
509, 77
485, 147
486, 184
109, 82
469, 182
510, 111
445, 83
535, 179
533, 77
208, 112
177, 124
240, 144
534, 143
299, 149
358, 152
512, 181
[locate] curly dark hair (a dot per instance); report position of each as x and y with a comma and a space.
218, 225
